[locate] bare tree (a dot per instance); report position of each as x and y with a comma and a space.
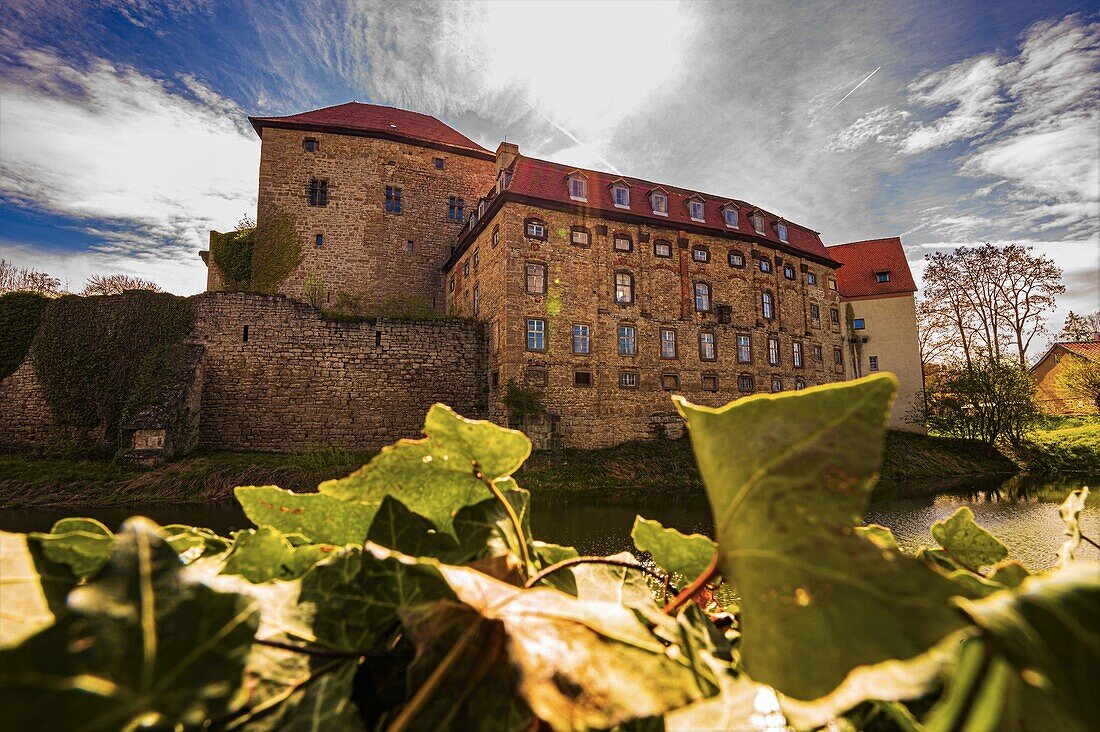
934, 331
1080, 327
1027, 284
116, 284
22, 279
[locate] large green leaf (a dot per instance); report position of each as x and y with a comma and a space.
1070, 511
82, 543
613, 583
788, 477
977, 692
967, 542
683, 554
440, 474
1050, 627
32, 588
140, 645
324, 519
264, 554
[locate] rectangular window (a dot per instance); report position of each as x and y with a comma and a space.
730, 215
668, 343
707, 350
579, 236
788, 271
695, 208
818, 356
451, 284
536, 229
494, 380
744, 349
799, 384
318, 192
393, 199
623, 243
477, 258
872, 362
670, 381
710, 382
782, 228
832, 283
797, 349
628, 379
582, 378
578, 189
815, 312
536, 334
496, 235
536, 376
767, 306
834, 316
659, 202
699, 254
737, 259
757, 222
626, 340
773, 351
702, 297
536, 278
438, 162
777, 384
857, 324
662, 248
765, 265
624, 288
581, 341
622, 196
319, 240
410, 246
811, 278
477, 301
455, 206
466, 268
310, 144
881, 277
838, 357
745, 383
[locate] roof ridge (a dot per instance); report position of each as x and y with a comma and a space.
865, 241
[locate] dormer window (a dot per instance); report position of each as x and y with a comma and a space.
695, 210
757, 219
883, 276
621, 195
578, 188
659, 201
781, 229
729, 214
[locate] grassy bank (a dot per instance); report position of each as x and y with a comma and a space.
635, 471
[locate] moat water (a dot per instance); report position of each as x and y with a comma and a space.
1021, 510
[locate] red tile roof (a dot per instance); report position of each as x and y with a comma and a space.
546, 180
862, 260
1087, 349
373, 119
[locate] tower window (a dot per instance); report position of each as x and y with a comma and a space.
623, 243
438, 163
668, 343
454, 208
310, 144
536, 278
393, 200
536, 334
318, 192
744, 349
319, 240
626, 340
773, 351
535, 228
700, 254
736, 259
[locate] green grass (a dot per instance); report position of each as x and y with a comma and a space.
1066, 444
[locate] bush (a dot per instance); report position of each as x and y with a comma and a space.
986, 400
20, 316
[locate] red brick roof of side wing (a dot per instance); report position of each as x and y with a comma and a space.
353, 117
862, 260
546, 180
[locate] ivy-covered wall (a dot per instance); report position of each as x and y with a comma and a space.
20, 316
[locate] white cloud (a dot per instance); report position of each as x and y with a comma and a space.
881, 125
973, 90
108, 145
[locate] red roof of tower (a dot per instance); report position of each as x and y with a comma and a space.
373, 120
545, 180
863, 260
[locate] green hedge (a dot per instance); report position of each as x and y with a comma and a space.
20, 316
100, 357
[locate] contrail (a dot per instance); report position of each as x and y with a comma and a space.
854, 89
573, 137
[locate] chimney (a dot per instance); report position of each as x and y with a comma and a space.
506, 153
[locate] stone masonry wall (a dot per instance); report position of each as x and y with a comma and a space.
25, 418
298, 382
366, 251
580, 290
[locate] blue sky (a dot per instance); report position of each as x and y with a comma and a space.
123, 136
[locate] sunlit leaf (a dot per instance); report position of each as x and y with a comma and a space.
82, 543
788, 478
294, 691
140, 645
1070, 511
683, 554
1050, 629
264, 554
32, 588
613, 583
966, 541
879, 534
440, 474
1008, 573
192, 542
325, 520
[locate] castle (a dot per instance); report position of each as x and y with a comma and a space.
602, 293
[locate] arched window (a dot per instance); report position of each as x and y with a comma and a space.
624, 288
702, 297
767, 305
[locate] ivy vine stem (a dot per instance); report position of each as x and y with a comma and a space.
312, 650
697, 584
1090, 541
574, 561
528, 567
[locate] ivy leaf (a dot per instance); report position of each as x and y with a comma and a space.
141, 646
614, 584
264, 554
1050, 628
976, 693
82, 543
293, 691
788, 477
547, 555
1070, 511
967, 542
1009, 574
880, 535
580, 664
683, 554
438, 475
192, 542
33, 588
324, 519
